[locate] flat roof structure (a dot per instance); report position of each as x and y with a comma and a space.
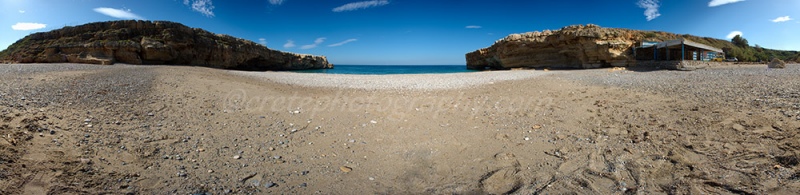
677, 49
677, 42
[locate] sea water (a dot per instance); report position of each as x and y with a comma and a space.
390, 69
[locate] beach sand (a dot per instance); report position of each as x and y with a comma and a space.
87, 129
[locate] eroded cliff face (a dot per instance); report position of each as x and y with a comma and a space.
576, 46
157, 42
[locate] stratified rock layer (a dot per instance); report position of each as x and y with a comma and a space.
158, 42
576, 46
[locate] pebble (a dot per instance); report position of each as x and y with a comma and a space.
237, 157
269, 184
373, 122
150, 114
345, 169
276, 157
303, 185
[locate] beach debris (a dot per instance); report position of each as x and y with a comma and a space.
345, 169
246, 177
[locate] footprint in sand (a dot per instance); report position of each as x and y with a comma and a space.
504, 180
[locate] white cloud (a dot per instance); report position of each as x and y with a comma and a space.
289, 44
473, 26
733, 34
782, 19
22, 11
27, 26
316, 43
360, 5
262, 41
715, 3
205, 7
342, 43
118, 13
650, 8
276, 2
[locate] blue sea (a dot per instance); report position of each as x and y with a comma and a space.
390, 69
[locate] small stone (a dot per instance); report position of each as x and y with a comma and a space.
52, 132
276, 157
303, 185
269, 184
371, 178
527, 138
237, 157
270, 148
373, 122
89, 125
345, 169
537, 126
210, 171
87, 120
150, 114
181, 174
41, 134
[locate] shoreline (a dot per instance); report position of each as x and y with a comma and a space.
394, 81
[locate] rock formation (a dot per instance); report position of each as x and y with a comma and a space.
576, 46
776, 63
156, 42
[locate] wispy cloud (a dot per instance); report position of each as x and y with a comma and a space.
316, 43
28, 26
276, 2
473, 27
715, 3
342, 43
782, 19
289, 44
118, 13
262, 41
360, 5
650, 8
205, 7
22, 11
733, 34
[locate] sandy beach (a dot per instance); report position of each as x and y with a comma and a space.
126, 129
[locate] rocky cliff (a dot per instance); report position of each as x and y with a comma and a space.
576, 46
156, 42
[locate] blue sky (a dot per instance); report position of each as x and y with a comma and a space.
413, 31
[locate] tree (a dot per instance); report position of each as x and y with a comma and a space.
739, 41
